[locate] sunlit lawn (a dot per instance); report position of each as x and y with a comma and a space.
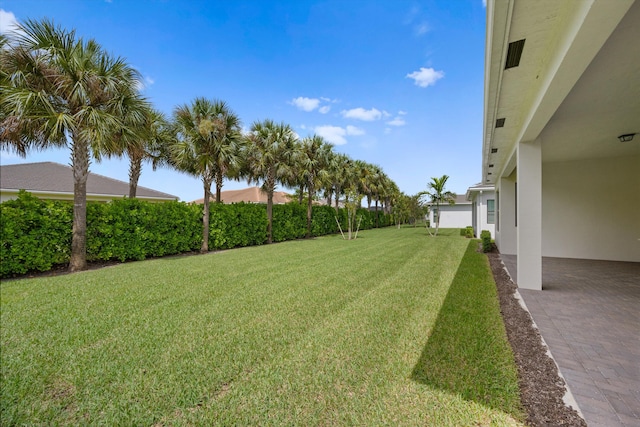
395, 328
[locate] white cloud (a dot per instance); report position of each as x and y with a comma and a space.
398, 121
484, 3
402, 112
426, 76
387, 131
352, 130
8, 22
324, 109
305, 104
148, 81
336, 134
362, 114
422, 28
333, 134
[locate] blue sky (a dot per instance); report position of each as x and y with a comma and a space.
395, 83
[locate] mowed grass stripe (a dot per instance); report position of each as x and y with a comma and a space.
302, 332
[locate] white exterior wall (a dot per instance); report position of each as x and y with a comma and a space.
591, 209
506, 232
453, 216
480, 221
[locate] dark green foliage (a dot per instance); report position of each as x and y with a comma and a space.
467, 232
323, 221
237, 225
34, 234
289, 222
128, 229
485, 236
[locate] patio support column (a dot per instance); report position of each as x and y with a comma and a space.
529, 215
506, 232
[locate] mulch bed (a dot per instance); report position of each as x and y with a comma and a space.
541, 388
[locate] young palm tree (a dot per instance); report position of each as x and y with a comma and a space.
438, 195
150, 143
268, 156
207, 145
314, 159
61, 90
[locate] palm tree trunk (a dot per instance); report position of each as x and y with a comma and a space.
377, 222
205, 217
337, 199
301, 195
270, 188
80, 166
219, 178
309, 210
135, 168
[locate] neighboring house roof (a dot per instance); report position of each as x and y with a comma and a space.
479, 187
54, 180
249, 195
461, 199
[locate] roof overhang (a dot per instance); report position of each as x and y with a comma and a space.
572, 52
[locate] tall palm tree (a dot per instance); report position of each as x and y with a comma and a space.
314, 159
150, 143
438, 195
60, 90
207, 145
341, 176
268, 158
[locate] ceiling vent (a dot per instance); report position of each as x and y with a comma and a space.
514, 53
500, 123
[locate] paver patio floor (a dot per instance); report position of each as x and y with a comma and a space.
589, 315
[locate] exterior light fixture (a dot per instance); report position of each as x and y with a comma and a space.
495, 150
626, 137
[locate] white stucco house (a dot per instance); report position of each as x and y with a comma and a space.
483, 208
457, 215
561, 139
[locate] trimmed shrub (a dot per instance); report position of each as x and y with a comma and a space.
34, 234
485, 236
237, 225
289, 222
468, 232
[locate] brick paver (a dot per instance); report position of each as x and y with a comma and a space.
589, 315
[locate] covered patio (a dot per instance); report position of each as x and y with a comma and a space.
588, 314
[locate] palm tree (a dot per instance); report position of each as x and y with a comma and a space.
207, 145
268, 159
314, 159
60, 90
150, 143
341, 176
438, 195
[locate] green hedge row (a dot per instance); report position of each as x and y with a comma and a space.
36, 234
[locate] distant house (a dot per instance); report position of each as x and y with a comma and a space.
457, 215
483, 208
54, 181
249, 195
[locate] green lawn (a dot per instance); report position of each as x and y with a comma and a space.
395, 328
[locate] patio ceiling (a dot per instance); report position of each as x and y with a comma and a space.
577, 86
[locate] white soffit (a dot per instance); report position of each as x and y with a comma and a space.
562, 38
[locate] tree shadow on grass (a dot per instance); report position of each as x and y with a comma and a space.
467, 352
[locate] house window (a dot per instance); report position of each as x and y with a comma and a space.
435, 215
491, 211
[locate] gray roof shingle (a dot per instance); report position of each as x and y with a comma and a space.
55, 177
